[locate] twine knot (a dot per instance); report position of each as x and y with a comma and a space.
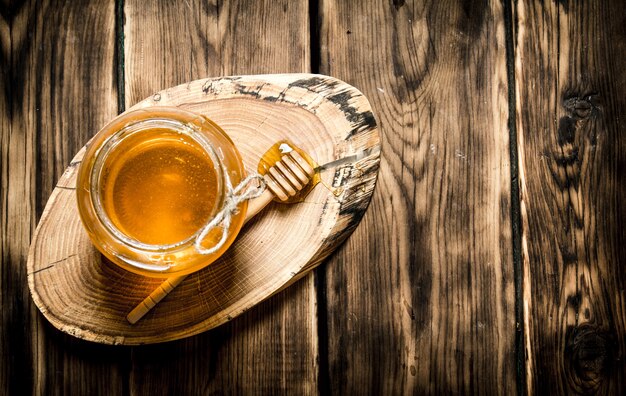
244, 191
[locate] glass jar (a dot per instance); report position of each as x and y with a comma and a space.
150, 181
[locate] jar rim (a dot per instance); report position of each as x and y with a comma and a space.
131, 129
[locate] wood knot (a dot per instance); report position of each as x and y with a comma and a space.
582, 106
398, 4
567, 130
579, 108
589, 357
575, 301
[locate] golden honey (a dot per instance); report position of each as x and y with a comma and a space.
150, 181
159, 187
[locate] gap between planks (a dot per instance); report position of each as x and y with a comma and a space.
516, 231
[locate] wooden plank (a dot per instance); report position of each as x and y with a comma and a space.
421, 297
571, 79
58, 89
15, 217
273, 347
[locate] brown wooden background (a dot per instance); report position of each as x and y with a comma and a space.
491, 259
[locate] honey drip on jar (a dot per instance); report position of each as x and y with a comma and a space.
160, 187
274, 154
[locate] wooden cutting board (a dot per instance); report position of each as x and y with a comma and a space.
83, 294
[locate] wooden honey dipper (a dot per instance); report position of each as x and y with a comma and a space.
285, 179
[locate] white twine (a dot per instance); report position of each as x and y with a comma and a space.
234, 196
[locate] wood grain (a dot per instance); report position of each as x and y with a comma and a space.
58, 89
421, 298
571, 106
272, 348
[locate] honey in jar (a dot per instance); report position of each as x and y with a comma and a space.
159, 187
150, 181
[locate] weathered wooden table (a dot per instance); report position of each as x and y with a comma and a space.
491, 260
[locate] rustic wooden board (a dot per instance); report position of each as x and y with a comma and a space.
433, 310
571, 106
54, 59
84, 295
